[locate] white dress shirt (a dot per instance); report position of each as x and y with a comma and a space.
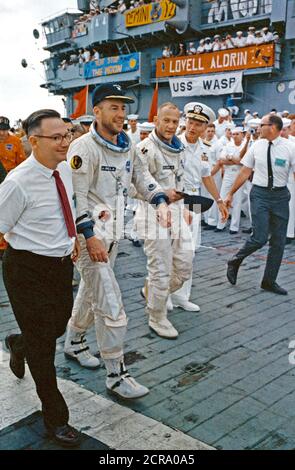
282, 160
194, 167
31, 215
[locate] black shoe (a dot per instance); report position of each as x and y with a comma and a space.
247, 230
65, 435
289, 240
203, 223
243, 215
210, 227
233, 232
217, 230
275, 288
17, 360
232, 270
137, 243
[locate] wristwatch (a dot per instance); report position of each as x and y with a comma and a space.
219, 200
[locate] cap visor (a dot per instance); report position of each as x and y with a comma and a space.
127, 99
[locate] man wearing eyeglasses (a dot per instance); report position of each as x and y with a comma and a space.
37, 218
272, 158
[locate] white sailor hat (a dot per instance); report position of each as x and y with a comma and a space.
251, 28
86, 118
286, 123
257, 32
266, 28
286, 112
146, 127
254, 123
222, 112
217, 36
239, 33
202, 41
207, 39
199, 112
132, 117
237, 130
255, 113
247, 111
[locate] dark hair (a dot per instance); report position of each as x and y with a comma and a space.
276, 121
67, 120
35, 119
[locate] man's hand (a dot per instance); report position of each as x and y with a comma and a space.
228, 201
76, 251
223, 211
173, 195
97, 250
188, 217
164, 215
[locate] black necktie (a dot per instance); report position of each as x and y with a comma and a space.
269, 167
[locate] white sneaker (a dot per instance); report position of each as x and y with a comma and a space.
187, 305
169, 304
76, 349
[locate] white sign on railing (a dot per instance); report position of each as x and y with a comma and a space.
224, 10
210, 85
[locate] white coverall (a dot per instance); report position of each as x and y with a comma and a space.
102, 174
169, 251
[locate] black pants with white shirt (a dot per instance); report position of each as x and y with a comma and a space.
270, 215
40, 292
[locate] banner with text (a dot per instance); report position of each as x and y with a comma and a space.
112, 65
252, 57
150, 13
219, 84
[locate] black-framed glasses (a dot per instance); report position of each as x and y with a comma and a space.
57, 138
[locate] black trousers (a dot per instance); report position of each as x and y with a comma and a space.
270, 215
40, 292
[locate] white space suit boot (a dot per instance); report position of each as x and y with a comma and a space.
120, 383
185, 304
160, 324
169, 304
76, 349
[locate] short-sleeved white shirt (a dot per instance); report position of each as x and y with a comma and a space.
31, 215
282, 160
194, 167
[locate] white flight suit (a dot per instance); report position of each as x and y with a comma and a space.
230, 174
194, 170
102, 175
169, 251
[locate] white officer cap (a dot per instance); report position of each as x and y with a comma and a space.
223, 112
254, 123
199, 112
146, 126
286, 123
132, 117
